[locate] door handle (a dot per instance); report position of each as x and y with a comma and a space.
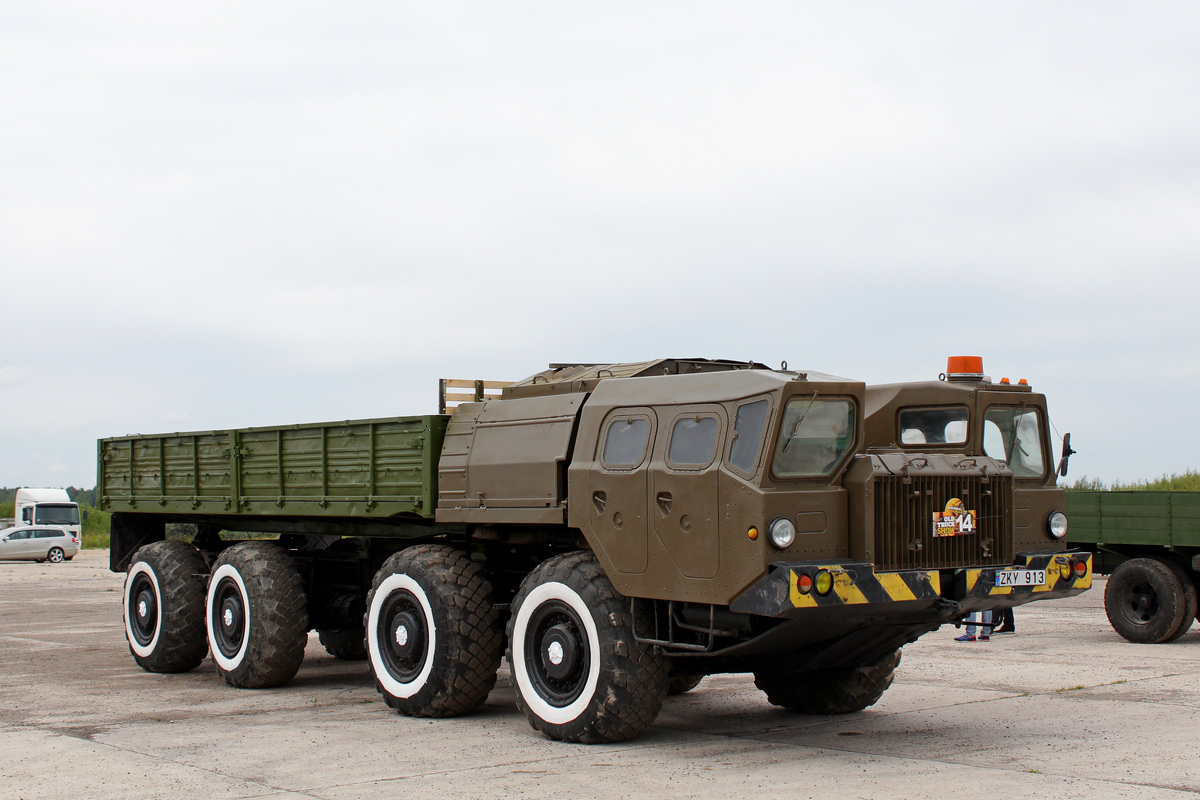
664, 500
599, 501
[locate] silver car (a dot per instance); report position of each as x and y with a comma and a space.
38, 543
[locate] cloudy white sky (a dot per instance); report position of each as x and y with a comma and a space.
227, 213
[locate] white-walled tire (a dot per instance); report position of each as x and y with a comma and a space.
256, 616
433, 635
164, 607
578, 670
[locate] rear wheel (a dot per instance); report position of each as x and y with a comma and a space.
433, 635
347, 644
256, 616
580, 673
1146, 601
681, 684
1191, 604
829, 691
164, 607
56, 555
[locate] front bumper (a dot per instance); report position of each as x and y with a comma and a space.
945, 595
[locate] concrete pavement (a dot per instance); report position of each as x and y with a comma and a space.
1063, 708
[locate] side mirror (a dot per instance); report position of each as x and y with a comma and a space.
1067, 452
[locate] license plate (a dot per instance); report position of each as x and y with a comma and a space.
1021, 577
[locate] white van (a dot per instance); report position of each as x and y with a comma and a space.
48, 507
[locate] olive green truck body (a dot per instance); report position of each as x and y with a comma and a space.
1149, 545
623, 529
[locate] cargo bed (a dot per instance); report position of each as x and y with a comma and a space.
359, 468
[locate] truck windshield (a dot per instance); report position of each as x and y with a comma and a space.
56, 515
813, 438
1013, 435
933, 425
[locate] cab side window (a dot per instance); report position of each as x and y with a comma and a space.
693, 441
748, 427
625, 442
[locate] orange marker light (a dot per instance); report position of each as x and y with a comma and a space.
964, 366
1023, 382
1004, 380
752, 533
804, 584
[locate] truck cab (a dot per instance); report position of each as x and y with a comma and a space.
48, 507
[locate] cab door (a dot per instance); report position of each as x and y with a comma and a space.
617, 498
683, 489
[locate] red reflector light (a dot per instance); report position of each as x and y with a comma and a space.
1080, 568
804, 584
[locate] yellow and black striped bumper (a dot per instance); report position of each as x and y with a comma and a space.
977, 589
793, 590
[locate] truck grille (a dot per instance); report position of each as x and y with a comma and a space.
904, 522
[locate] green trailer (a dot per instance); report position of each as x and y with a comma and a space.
372, 469
1149, 544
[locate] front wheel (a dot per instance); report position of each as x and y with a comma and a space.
580, 673
1146, 601
842, 690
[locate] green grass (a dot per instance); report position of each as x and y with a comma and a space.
95, 529
1187, 481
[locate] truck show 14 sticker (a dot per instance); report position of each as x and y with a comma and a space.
956, 520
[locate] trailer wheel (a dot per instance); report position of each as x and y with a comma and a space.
433, 635
348, 644
682, 684
1146, 601
580, 673
164, 607
829, 691
256, 616
1191, 603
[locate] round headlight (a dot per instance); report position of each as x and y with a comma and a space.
782, 532
1057, 525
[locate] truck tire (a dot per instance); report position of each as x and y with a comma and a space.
256, 616
433, 632
682, 684
1191, 603
1145, 601
164, 607
829, 691
579, 672
348, 644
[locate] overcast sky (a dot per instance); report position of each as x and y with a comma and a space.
224, 214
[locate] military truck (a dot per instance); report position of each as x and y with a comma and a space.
621, 530
1149, 545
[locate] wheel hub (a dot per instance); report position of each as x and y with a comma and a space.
229, 618
559, 659
143, 610
402, 635
145, 605
408, 635
560, 652
1143, 602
